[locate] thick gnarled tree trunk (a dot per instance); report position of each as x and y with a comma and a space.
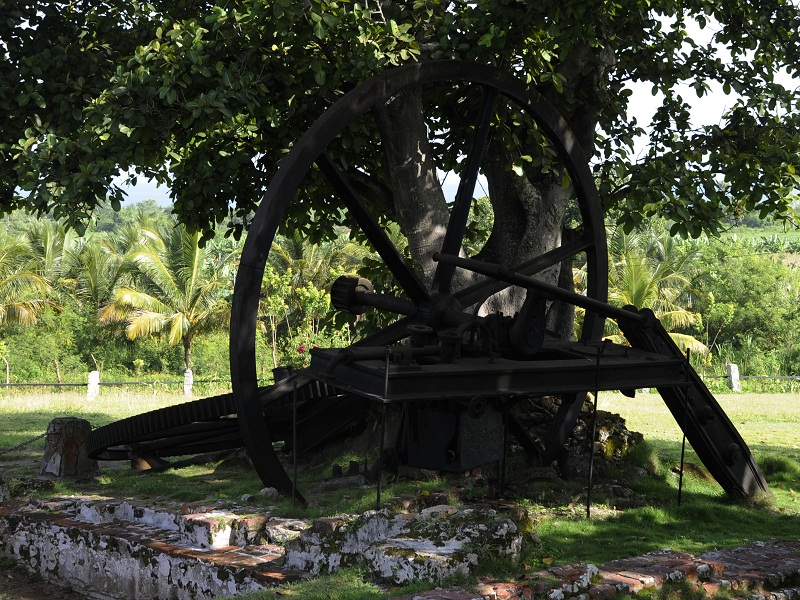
529, 209
528, 213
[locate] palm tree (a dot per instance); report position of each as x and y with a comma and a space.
97, 269
294, 294
52, 248
311, 269
653, 272
23, 292
100, 262
316, 264
177, 290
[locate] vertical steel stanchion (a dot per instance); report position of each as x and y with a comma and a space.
683, 428
379, 473
505, 443
600, 351
294, 441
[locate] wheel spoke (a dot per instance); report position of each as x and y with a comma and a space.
479, 292
466, 189
397, 264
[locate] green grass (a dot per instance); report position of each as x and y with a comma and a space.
769, 423
706, 519
347, 584
24, 415
756, 233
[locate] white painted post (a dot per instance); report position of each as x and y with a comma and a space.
93, 389
188, 381
733, 377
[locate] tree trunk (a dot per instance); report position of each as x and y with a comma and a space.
528, 210
420, 205
528, 219
528, 213
187, 353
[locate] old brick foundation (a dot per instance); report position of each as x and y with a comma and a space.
121, 550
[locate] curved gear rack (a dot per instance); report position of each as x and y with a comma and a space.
454, 364
211, 425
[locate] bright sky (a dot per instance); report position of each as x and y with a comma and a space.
147, 190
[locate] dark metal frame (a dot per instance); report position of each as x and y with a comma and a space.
312, 149
445, 374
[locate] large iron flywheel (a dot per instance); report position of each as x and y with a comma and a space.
483, 106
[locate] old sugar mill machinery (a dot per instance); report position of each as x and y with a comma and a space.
451, 362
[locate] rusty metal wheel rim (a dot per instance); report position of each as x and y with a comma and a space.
309, 150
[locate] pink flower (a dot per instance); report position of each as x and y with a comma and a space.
301, 348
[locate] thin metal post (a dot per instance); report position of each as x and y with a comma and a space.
379, 470
600, 351
294, 441
683, 427
386, 374
379, 473
502, 481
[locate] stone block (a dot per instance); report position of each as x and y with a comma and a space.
65, 449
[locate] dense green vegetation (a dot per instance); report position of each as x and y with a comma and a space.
137, 295
728, 299
207, 97
122, 299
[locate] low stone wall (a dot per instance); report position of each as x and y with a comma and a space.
433, 545
122, 551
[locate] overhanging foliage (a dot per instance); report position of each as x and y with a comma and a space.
208, 96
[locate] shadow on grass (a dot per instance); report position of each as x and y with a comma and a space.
21, 427
706, 518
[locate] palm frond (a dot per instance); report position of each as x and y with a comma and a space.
687, 342
142, 323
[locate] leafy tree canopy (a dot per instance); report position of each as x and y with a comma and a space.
207, 96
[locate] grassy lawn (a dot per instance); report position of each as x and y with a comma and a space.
24, 415
768, 231
706, 519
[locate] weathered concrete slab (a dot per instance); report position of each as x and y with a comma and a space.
122, 550
433, 545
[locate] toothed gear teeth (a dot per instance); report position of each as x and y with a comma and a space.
344, 293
